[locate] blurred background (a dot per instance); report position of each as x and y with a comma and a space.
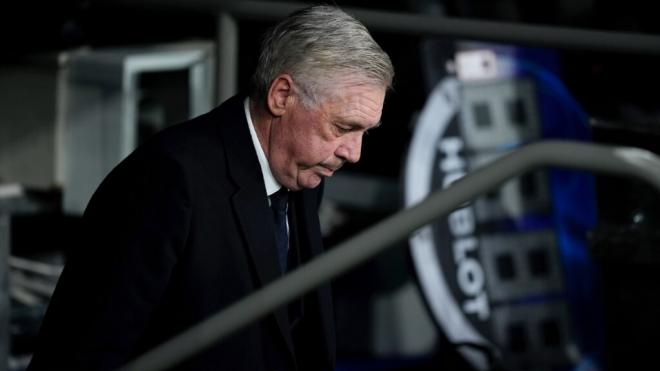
555, 270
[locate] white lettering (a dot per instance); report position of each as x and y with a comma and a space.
461, 222
462, 246
478, 306
451, 147
470, 277
462, 226
451, 178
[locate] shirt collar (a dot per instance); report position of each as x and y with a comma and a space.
272, 185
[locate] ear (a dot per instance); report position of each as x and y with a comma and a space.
281, 90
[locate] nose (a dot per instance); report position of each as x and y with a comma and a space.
350, 148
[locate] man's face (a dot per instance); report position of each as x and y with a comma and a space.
308, 144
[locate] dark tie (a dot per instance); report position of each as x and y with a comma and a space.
278, 203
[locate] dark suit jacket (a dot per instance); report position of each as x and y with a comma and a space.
176, 232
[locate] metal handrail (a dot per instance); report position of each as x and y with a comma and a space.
408, 23
624, 161
433, 25
427, 25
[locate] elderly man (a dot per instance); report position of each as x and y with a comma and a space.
184, 227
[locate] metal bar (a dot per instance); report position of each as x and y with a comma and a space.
34, 285
433, 25
623, 161
227, 54
5, 302
511, 33
442, 26
35, 267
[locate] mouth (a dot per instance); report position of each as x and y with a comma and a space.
327, 171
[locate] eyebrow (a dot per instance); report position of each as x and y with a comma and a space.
355, 124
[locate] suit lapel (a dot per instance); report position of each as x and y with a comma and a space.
251, 205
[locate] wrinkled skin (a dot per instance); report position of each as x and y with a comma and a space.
305, 144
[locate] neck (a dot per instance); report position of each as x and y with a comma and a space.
262, 124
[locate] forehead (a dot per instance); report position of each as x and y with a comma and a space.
357, 103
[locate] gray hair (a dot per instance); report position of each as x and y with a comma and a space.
316, 45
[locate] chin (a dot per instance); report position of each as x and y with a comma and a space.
310, 183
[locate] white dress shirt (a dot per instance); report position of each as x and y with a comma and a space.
272, 185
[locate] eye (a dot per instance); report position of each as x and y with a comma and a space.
343, 129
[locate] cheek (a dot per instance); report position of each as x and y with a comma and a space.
308, 141
312, 150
